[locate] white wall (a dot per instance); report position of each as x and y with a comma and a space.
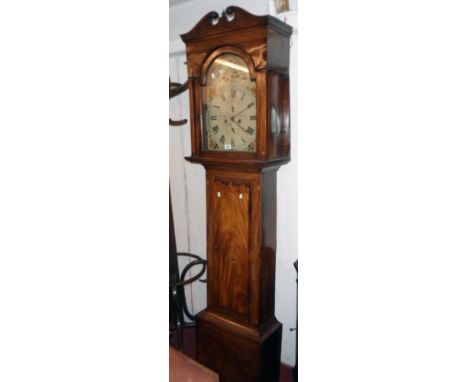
187, 185
183, 15
188, 180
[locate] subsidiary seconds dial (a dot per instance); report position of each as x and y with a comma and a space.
229, 106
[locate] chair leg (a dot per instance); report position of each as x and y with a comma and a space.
179, 319
180, 334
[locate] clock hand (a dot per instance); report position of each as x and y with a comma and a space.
232, 128
248, 107
242, 128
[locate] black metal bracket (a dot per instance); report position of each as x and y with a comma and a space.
174, 90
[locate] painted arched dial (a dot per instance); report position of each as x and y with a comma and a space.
229, 104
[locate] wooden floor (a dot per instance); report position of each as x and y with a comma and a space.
189, 350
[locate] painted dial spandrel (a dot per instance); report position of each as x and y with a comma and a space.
230, 107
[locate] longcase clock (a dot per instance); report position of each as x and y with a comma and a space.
238, 70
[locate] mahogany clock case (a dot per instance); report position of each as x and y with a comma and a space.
237, 335
263, 43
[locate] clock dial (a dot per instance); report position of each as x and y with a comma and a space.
230, 107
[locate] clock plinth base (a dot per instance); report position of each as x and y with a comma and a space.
237, 352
